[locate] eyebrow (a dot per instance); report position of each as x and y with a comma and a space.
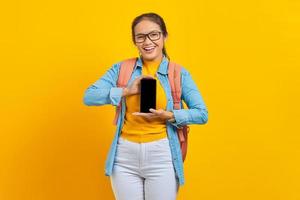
148, 32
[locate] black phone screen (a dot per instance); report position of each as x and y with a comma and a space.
148, 95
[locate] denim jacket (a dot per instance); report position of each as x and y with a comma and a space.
105, 91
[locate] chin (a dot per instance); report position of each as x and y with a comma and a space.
149, 57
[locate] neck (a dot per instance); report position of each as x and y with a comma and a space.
156, 60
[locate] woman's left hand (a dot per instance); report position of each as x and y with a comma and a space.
160, 113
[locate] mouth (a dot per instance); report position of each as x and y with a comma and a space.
149, 49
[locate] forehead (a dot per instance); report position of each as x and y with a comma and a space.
146, 26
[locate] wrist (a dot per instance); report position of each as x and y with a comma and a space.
125, 92
171, 118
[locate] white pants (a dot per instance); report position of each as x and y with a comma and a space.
144, 171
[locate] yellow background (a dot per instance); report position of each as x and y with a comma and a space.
243, 55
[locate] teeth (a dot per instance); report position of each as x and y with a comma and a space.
150, 48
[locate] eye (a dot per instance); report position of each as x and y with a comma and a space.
154, 34
139, 37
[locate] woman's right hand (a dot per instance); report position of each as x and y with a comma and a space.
135, 86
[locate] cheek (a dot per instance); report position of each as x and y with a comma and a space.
161, 44
139, 47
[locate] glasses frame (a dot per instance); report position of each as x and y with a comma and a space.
147, 36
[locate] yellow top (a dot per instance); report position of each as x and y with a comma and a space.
138, 128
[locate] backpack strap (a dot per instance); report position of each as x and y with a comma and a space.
125, 73
175, 82
174, 75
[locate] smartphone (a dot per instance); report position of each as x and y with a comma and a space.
148, 95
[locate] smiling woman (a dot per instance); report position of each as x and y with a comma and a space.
144, 161
149, 34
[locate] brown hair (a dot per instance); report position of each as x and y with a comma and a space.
154, 18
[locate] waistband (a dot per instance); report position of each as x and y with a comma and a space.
142, 138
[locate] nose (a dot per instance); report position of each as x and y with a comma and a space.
147, 40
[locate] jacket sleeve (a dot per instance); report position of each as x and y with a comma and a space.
105, 90
196, 112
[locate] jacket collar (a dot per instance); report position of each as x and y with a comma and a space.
163, 67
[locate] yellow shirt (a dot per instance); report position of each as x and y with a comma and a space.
140, 129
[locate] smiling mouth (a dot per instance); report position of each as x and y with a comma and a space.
148, 49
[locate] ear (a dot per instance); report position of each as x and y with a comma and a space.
165, 39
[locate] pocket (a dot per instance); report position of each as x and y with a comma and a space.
162, 143
121, 140
121, 146
160, 151
126, 146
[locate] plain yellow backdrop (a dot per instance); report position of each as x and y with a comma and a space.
243, 55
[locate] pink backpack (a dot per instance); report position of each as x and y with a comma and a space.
174, 70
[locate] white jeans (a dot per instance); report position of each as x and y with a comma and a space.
144, 171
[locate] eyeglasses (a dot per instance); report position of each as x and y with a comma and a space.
154, 35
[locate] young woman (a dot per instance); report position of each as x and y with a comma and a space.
145, 161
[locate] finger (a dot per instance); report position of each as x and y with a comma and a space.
152, 110
158, 112
137, 113
142, 114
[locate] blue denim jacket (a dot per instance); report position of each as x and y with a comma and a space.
105, 91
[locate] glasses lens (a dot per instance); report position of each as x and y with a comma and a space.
154, 35
140, 38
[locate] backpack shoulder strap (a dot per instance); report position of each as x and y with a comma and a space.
125, 73
126, 70
174, 75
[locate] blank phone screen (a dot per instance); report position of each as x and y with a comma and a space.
148, 95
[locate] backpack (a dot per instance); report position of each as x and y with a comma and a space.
174, 70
